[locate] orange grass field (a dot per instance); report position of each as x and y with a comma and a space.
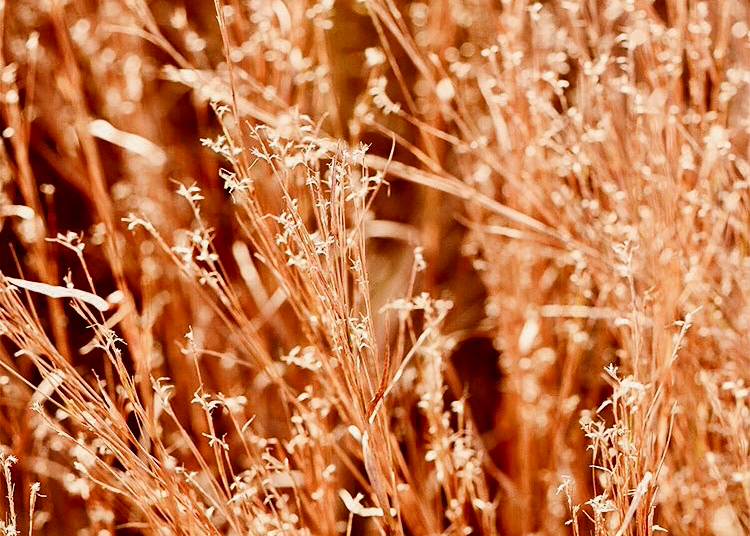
375, 267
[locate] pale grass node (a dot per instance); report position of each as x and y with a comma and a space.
54, 291
354, 505
47, 387
131, 142
19, 211
637, 496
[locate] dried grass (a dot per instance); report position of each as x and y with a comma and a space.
296, 267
